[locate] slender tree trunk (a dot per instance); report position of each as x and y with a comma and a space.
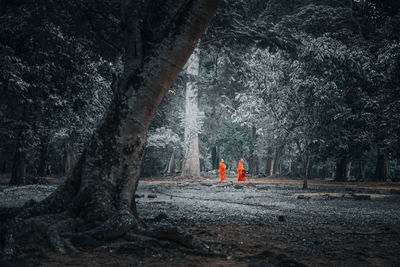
191, 164
271, 167
276, 162
70, 158
44, 146
171, 164
340, 174
253, 165
348, 172
307, 172
18, 172
360, 173
290, 167
381, 171
214, 157
253, 160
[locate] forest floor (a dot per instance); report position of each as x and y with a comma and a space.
266, 222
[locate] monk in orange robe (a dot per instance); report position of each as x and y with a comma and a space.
222, 169
241, 172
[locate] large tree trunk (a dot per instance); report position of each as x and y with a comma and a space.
191, 163
18, 171
382, 167
101, 188
340, 174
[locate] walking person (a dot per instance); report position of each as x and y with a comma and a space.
241, 172
222, 169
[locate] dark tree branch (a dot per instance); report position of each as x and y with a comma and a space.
93, 26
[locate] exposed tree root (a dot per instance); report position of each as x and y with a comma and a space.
282, 259
180, 236
60, 232
20, 231
116, 226
53, 234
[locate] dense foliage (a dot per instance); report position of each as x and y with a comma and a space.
306, 88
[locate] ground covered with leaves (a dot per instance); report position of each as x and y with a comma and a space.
266, 222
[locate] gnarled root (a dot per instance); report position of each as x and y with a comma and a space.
180, 236
116, 226
19, 232
60, 231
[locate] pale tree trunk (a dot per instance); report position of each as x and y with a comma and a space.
276, 162
271, 167
348, 174
191, 163
171, 163
100, 190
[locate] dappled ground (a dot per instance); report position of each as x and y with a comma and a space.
264, 222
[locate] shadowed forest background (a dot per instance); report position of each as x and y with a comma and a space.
305, 91
305, 88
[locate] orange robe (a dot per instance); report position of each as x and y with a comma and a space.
222, 168
241, 172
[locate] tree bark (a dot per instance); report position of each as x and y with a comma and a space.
340, 174
101, 187
18, 172
191, 164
